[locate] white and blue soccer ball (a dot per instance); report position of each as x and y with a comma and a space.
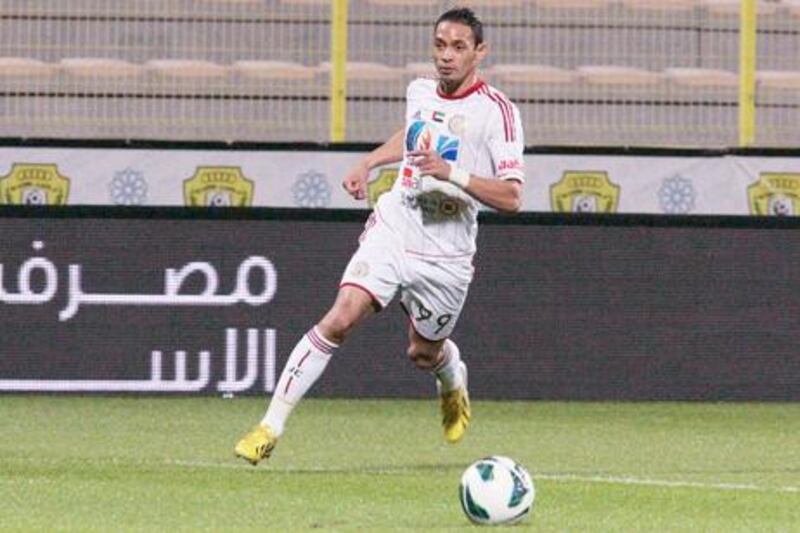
496, 490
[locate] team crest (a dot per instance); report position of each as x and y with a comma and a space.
34, 184
584, 192
381, 184
360, 269
776, 194
457, 124
218, 187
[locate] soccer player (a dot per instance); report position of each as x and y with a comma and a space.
462, 145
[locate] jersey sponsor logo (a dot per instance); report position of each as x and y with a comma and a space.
775, 193
436, 206
420, 137
34, 184
410, 181
509, 164
447, 147
381, 184
584, 192
218, 187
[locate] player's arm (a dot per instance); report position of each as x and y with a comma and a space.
355, 182
503, 194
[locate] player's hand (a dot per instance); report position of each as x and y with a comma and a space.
355, 182
430, 163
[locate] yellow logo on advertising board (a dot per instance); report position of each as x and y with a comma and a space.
775, 193
381, 184
218, 187
584, 192
34, 184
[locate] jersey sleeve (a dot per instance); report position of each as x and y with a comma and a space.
414, 94
506, 142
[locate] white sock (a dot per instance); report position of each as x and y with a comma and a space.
305, 365
448, 372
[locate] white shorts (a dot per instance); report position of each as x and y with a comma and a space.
431, 293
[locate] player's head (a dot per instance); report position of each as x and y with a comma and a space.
458, 46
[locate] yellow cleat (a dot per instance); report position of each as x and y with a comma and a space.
256, 445
456, 412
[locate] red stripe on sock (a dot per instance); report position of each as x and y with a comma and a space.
291, 378
319, 342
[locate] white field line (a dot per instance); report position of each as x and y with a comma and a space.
611, 480
627, 480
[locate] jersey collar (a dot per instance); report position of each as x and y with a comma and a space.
474, 87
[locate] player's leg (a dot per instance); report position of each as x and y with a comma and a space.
368, 284
311, 355
443, 359
433, 304
305, 365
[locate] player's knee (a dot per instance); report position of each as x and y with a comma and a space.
424, 359
336, 328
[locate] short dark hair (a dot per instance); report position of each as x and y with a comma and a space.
465, 16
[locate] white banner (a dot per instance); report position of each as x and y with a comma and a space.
703, 185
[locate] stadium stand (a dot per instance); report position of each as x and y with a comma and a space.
258, 70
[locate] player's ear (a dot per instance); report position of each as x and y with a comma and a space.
482, 50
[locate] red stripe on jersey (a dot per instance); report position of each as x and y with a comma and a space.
512, 127
509, 114
505, 110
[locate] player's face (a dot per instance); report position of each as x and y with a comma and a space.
456, 55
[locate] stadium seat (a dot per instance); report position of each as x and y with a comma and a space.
96, 67
25, 67
422, 69
615, 75
734, 7
660, 5
701, 77
483, 4
186, 68
402, 3
532, 74
272, 70
572, 4
792, 6
307, 2
26, 74
365, 71
778, 79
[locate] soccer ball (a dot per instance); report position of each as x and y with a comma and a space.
496, 490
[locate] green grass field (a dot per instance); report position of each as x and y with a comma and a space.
110, 464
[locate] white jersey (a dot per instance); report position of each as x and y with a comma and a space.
481, 133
